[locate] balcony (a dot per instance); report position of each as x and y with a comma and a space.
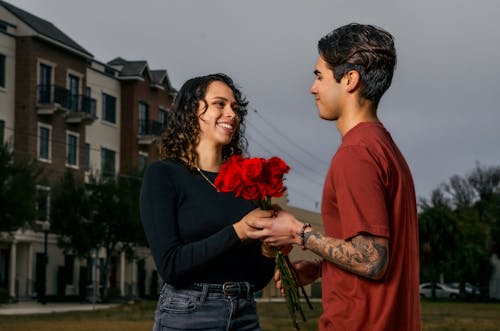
148, 131
78, 108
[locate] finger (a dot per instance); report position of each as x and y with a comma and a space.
254, 223
264, 213
277, 276
257, 234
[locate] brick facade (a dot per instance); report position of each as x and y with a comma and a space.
134, 92
30, 51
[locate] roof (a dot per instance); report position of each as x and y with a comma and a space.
157, 76
44, 28
118, 61
135, 69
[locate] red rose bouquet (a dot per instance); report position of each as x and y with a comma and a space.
259, 180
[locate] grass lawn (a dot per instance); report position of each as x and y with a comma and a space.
442, 316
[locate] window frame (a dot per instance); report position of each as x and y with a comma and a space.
143, 118
2, 132
3, 71
142, 156
104, 152
105, 108
49, 143
50, 91
86, 162
76, 135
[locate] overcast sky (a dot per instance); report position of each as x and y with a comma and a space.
442, 108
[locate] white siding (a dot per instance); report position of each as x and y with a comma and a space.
100, 133
7, 94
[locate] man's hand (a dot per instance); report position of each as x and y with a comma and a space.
308, 271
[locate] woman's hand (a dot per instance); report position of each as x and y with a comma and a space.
242, 227
282, 230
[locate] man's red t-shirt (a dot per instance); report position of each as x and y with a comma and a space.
369, 189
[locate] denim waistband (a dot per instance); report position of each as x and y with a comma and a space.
230, 289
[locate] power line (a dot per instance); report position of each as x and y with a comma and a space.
271, 141
291, 141
290, 188
294, 170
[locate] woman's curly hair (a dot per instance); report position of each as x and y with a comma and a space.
182, 128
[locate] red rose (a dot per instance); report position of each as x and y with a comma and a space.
252, 171
229, 178
251, 192
275, 187
277, 166
255, 179
275, 170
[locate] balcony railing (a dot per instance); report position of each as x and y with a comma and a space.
148, 130
51, 98
149, 127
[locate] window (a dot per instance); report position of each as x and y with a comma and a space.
87, 157
142, 161
2, 129
44, 84
72, 149
108, 162
74, 91
2, 70
108, 108
43, 203
44, 132
143, 118
162, 117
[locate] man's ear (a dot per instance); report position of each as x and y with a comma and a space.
352, 81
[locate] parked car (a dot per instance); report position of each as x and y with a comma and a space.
442, 291
470, 290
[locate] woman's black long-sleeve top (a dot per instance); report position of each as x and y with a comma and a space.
189, 228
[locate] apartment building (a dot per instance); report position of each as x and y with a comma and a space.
71, 112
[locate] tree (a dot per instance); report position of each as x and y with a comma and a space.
71, 217
117, 217
100, 215
17, 191
438, 228
474, 202
486, 182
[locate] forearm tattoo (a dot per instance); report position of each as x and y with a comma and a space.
363, 255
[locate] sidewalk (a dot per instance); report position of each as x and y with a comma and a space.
33, 307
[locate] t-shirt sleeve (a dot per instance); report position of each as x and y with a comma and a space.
173, 258
359, 179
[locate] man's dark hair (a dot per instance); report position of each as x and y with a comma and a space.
365, 48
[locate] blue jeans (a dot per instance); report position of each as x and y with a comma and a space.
208, 307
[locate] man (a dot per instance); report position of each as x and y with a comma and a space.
370, 255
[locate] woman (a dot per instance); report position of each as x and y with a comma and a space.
198, 236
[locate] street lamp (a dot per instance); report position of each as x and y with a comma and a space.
45, 229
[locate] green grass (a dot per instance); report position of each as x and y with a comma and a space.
442, 316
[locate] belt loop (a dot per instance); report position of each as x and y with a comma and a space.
204, 293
